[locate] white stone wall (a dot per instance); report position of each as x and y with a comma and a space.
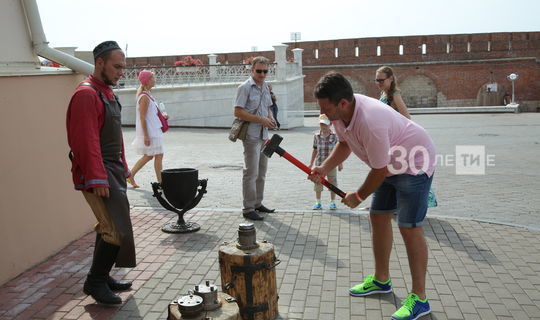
290, 102
211, 105
17, 53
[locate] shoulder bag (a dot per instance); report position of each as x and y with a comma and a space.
239, 127
161, 117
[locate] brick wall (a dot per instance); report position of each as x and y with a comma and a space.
436, 70
222, 58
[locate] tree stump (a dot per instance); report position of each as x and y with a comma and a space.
250, 277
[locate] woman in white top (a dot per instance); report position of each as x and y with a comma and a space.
148, 140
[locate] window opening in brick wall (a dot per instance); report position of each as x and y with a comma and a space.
336, 52
400, 49
356, 52
448, 47
489, 46
424, 48
316, 53
378, 50
468, 47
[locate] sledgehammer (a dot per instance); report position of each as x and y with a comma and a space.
272, 145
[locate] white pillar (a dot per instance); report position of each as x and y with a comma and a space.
298, 59
212, 61
281, 61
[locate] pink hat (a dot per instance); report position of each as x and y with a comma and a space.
145, 76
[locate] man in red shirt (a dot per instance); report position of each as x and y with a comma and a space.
100, 170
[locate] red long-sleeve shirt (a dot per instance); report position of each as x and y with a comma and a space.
84, 121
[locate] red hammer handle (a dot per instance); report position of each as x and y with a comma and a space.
307, 170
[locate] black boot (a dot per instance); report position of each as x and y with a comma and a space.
114, 285
96, 281
118, 285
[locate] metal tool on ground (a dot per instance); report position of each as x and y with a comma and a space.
272, 145
190, 306
204, 303
209, 293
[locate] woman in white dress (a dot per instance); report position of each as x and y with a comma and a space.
148, 140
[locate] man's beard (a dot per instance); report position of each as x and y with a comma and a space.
106, 79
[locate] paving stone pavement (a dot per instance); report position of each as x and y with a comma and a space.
504, 194
477, 269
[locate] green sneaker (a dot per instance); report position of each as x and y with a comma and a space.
412, 309
370, 286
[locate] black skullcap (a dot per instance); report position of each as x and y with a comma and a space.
105, 47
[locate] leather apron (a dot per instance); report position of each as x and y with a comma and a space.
117, 204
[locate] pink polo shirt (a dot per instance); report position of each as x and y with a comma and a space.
381, 137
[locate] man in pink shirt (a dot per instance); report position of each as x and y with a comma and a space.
401, 156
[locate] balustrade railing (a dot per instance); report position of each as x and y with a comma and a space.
293, 69
167, 76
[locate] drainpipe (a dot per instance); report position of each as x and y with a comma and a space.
41, 46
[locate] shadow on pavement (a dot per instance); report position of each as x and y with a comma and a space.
444, 233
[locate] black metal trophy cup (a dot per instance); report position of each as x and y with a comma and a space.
180, 189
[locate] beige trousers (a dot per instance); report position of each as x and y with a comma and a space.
331, 177
255, 165
104, 225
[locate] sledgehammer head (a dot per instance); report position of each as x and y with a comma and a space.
272, 145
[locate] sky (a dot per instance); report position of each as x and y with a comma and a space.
180, 27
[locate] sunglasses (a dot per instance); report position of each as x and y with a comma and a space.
380, 80
261, 71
